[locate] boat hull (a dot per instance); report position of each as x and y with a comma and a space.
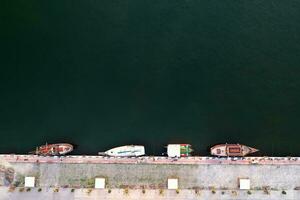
54, 149
232, 150
179, 150
126, 151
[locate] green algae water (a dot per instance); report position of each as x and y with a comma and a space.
100, 74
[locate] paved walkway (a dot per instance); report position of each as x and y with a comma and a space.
152, 172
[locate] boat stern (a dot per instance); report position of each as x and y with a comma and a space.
218, 150
139, 150
65, 148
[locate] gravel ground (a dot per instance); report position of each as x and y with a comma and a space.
155, 176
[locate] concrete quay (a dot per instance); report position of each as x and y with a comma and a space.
198, 177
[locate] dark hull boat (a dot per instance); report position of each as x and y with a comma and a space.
231, 150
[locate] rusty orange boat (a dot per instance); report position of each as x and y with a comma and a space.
53, 149
231, 150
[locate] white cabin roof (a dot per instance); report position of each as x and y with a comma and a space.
173, 150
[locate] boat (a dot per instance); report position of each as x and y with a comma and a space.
125, 151
179, 150
232, 150
53, 149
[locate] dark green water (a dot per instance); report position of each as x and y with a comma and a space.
106, 73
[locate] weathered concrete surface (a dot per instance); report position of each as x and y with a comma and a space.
268, 181
155, 176
118, 194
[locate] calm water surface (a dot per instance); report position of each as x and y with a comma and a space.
105, 73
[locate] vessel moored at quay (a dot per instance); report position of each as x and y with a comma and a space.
53, 149
179, 150
125, 151
232, 150
173, 150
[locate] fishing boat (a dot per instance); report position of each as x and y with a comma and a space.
231, 150
53, 149
179, 150
125, 151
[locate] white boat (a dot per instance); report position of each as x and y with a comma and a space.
179, 150
126, 151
